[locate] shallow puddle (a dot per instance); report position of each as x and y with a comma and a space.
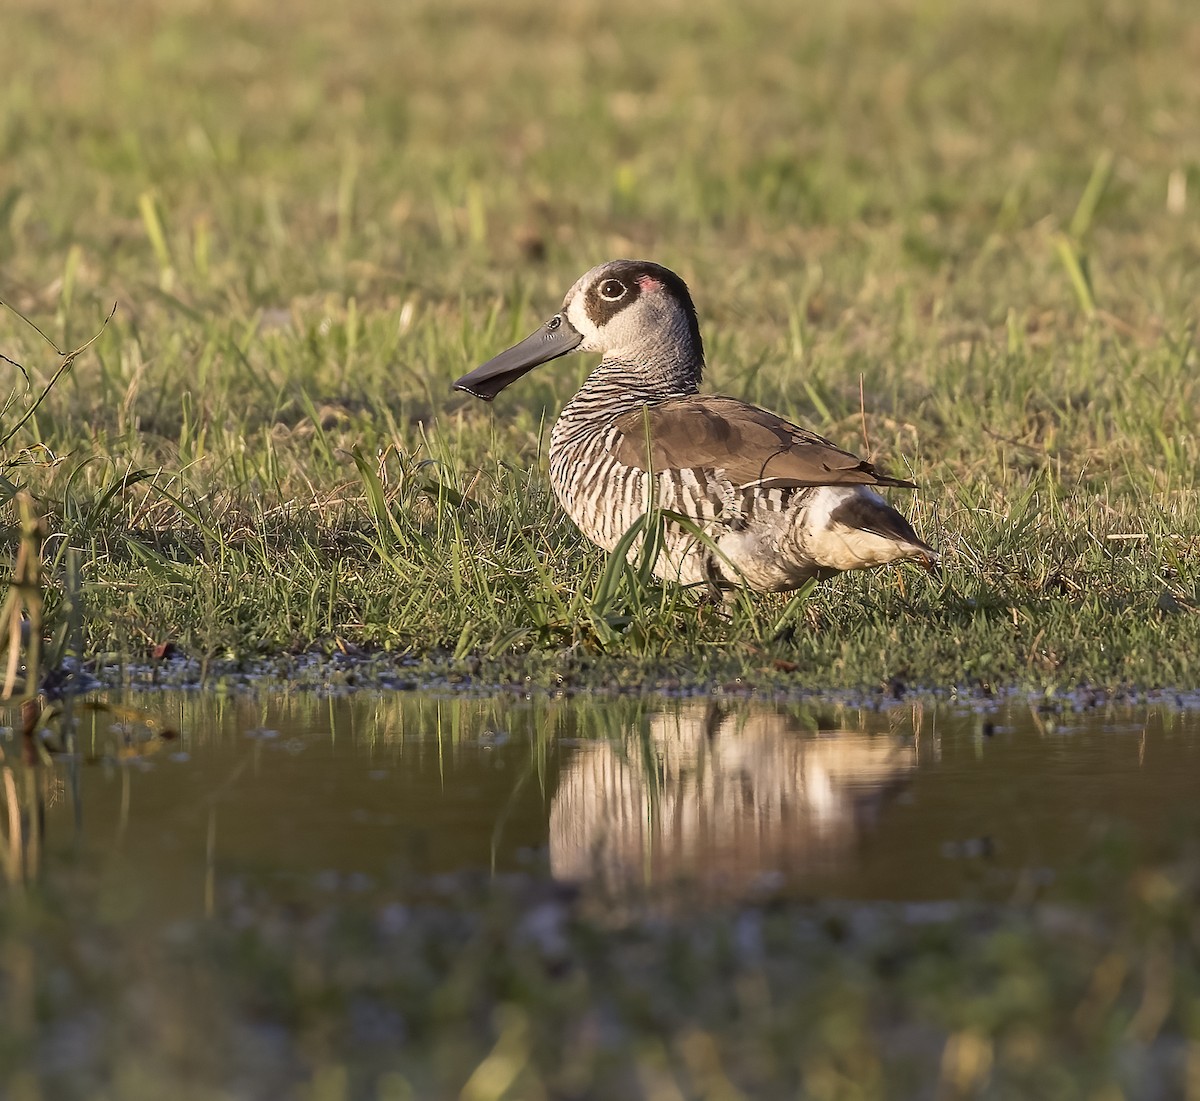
277, 894
731, 799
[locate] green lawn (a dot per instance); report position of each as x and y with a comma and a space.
314, 217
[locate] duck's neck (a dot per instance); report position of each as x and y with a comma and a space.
619, 383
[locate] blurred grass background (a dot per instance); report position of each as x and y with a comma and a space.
313, 218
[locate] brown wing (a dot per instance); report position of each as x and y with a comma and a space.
751, 445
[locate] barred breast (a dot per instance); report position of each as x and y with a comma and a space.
604, 498
747, 529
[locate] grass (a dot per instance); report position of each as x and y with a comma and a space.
312, 220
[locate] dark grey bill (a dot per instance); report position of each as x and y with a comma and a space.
555, 338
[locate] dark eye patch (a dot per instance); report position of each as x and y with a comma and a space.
608, 297
641, 277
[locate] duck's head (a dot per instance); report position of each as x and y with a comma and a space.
637, 314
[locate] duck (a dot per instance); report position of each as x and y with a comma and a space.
747, 499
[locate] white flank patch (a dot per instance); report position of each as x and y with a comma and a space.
839, 546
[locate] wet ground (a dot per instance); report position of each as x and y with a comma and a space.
184, 819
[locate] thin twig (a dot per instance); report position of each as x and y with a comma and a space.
862, 410
14, 363
68, 359
13, 309
15, 840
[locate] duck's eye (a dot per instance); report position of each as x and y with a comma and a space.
612, 289
554, 323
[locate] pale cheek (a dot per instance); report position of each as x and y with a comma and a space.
578, 319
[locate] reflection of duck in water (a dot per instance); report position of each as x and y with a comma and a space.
718, 797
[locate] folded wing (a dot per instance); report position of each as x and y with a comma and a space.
752, 446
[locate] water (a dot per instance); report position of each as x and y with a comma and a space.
733, 799
276, 894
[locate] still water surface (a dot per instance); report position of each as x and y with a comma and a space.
733, 799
